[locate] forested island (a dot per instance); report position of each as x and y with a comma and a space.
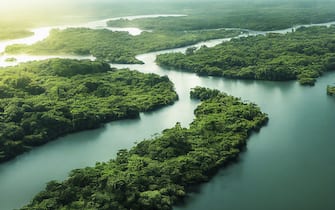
115, 47
12, 59
331, 90
303, 54
40, 101
155, 173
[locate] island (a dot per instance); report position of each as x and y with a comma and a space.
331, 90
12, 59
43, 100
301, 55
155, 173
114, 47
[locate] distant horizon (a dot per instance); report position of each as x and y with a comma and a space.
41, 12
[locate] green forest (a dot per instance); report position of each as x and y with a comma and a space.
114, 47
254, 15
155, 173
303, 55
40, 101
331, 90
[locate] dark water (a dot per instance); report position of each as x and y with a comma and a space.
289, 164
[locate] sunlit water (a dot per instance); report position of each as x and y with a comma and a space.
39, 34
42, 33
287, 165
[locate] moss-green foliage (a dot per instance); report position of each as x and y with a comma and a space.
40, 101
301, 55
331, 90
115, 47
153, 174
255, 15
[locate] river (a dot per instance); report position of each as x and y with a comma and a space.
287, 165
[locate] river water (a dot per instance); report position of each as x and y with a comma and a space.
287, 165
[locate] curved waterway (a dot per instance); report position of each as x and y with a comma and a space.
287, 165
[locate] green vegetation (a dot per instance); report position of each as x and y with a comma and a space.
255, 15
10, 59
331, 90
303, 55
258, 15
13, 33
40, 101
115, 47
154, 174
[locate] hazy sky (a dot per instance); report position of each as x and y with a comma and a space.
11, 4
35, 9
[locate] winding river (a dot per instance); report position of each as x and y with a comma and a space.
289, 164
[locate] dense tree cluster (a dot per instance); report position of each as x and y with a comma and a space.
40, 101
155, 173
114, 47
304, 55
331, 90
